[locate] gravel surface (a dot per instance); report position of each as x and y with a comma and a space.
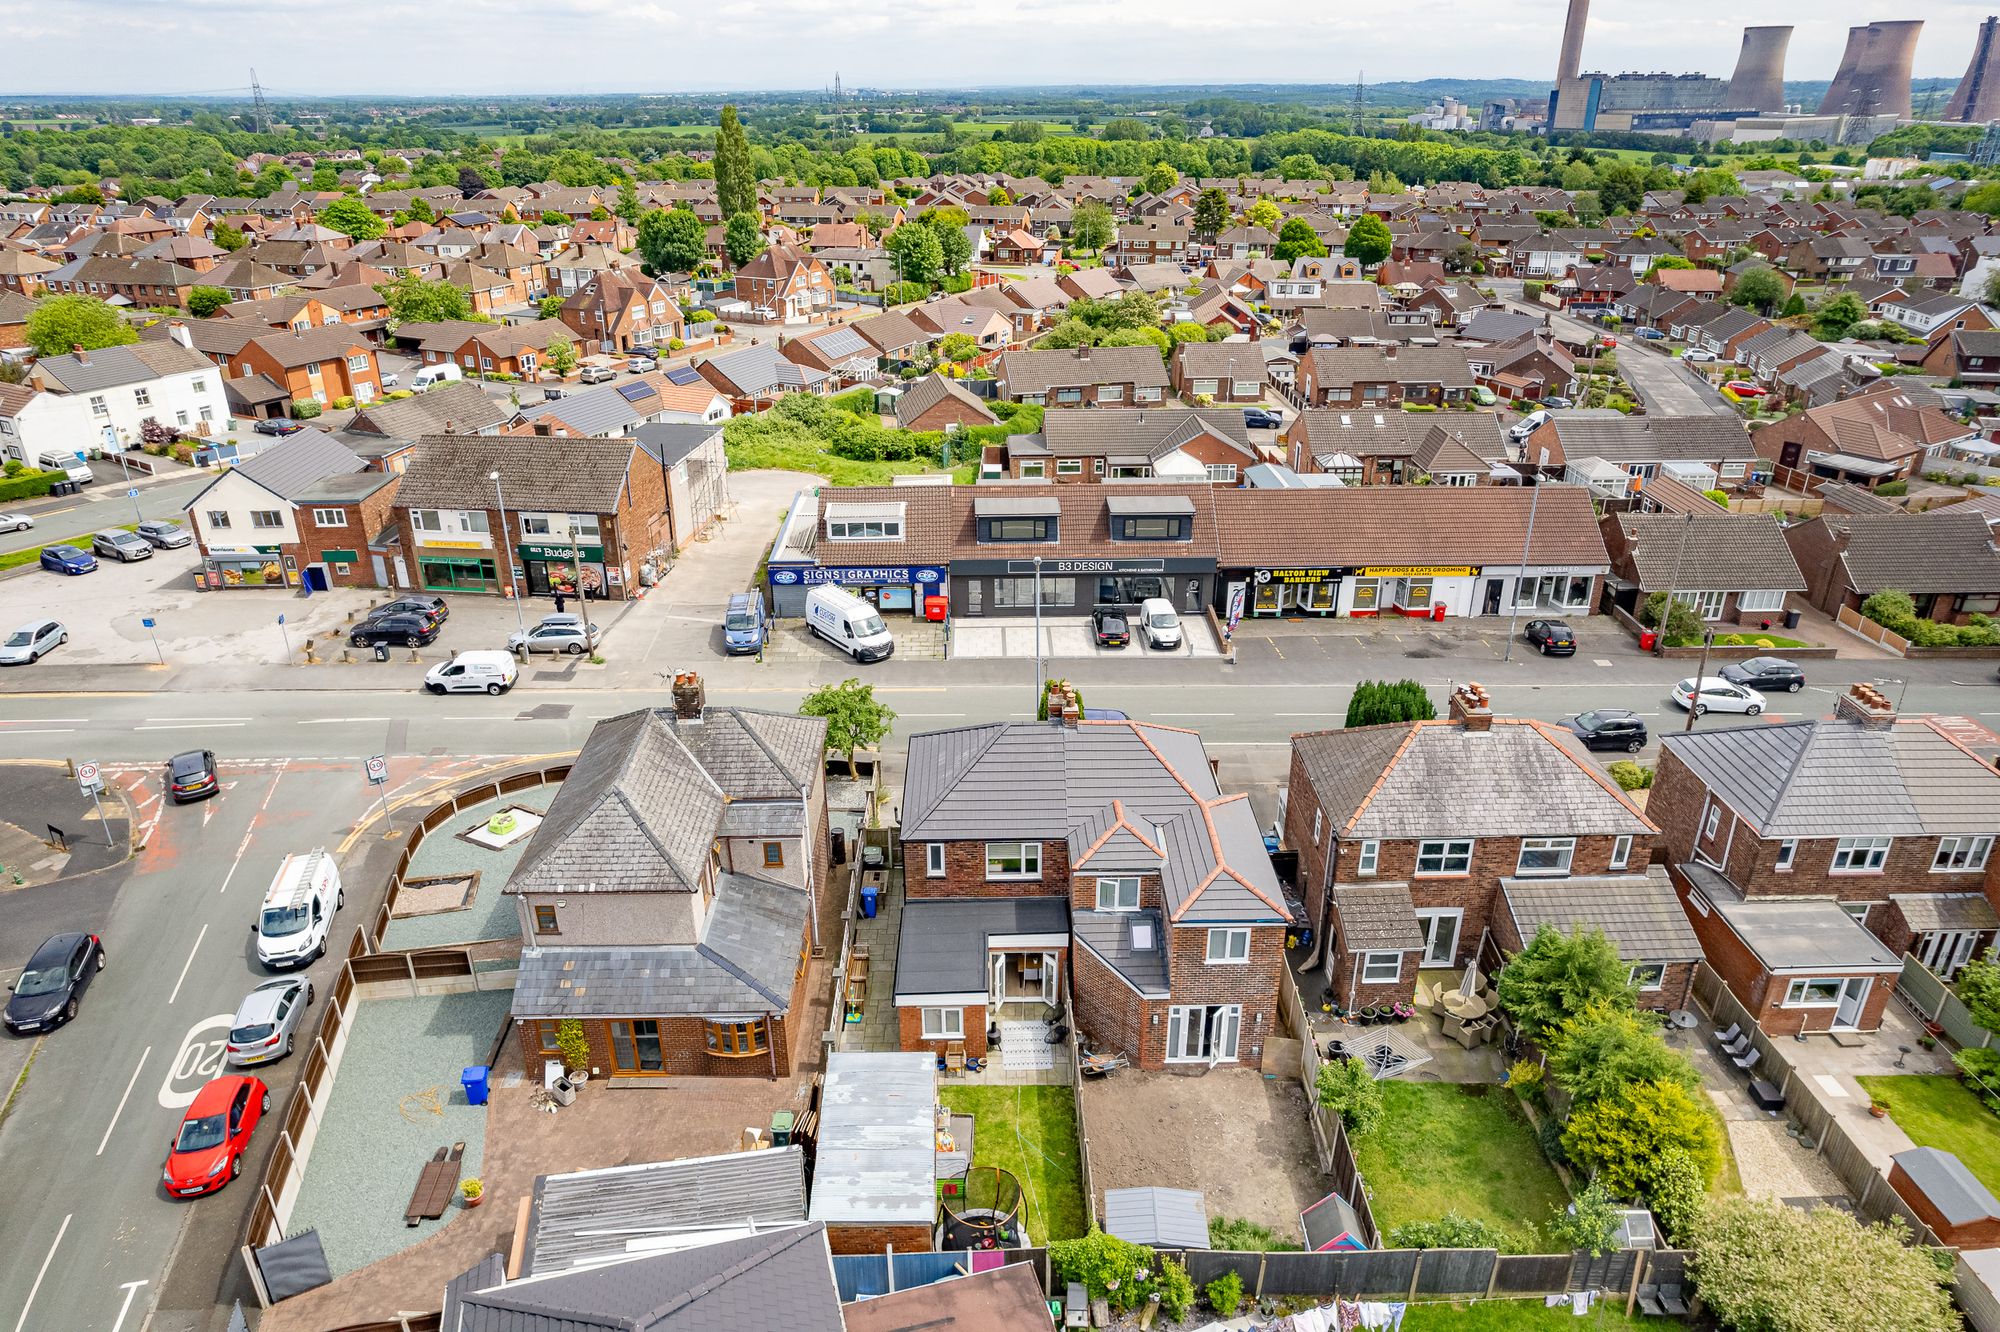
1773, 1165
492, 914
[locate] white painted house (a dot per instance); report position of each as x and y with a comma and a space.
243, 517
100, 400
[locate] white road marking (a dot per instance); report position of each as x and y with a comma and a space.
185, 965
21, 721
52, 730
129, 1083
42, 1272
334, 721
250, 831
1194, 714
130, 1288
199, 719
195, 1062
190, 726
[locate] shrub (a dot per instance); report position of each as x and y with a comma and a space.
570, 1040
27, 484
1233, 1234
1378, 701
1175, 1288
1450, 1231
1608, 1047
1622, 1134
902, 293
342, 403
1895, 612
1675, 1193
1719, 496
1549, 1133
397, 395
1772, 1268
1558, 976
1122, 1273
1684, 626
304, 409
1524, 1076
1590, 1222
1225, 1294
13, 467
1981, 1071
1893, 489
1348, 1088
701, 317
1631, 776
675, 344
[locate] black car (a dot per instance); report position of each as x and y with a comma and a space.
1552, 637
53, 982
408, 630
1256, 418
1766, 675
277, 425
433, 609
191, 776
1608, 728
1109, 627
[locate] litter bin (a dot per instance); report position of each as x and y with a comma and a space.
1791, 619
781, 1128
1648, 640
868, 892
474, 1081
1437, 612
381, 652
936, 608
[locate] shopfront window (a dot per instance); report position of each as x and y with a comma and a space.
1019, 593
1367, 594
444, 573
1129, 589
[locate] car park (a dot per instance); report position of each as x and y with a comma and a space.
68, 560
192, 776
1109, 628
1257, 418
267, 1022
164, 534
51, 986
1552, 638
120, 545
1158, 623
556, 633
406, 630
31, 642
207, 1151
1697, 355
1608, 728
1767, 675
744, 629
277, 425
433, 609
16, 522
1718, 695
482, 671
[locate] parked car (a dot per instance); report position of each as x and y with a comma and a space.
597, 374
407, 630
1697, 355
208, 1151
277, 425
1552, 638
477, 672
390, 381
1484, 397
1526, 426
1649, 334
121, 545
434, 609
1743, 388
1608, 728
267, 1022
1158, 623
31, 642
555, 393
1718, 695
1256, 418
192, 776
743, 624
556, 633
639, 365
1766, 675
68, 560
16, 522
1110, 628
52, 984
1558, 402
164, 533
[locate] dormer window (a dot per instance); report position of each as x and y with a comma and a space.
864, 522
1017, 520
1151, 518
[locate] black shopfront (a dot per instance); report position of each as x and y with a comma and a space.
1006, 587
1019, 549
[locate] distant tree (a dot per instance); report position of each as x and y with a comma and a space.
1669, 262
350, 217
62, 323
1211, 213
600, 213
471, 182
1621, 188
1091, 227
1558, 976
1263, 214
735, 176
1836, 318
958, 347
854, 718
1795, 305
226, 237
917, 253
742, 238
416, 300
1299, 167
554, 218
954, 246
1000, 197
1125, 127
1298, 241
628, 202
1160, 178
1369, 242
1759, 289
560, 356
1380, 702
549, 307
672, 241
205, 301
421, 210
1763, 1266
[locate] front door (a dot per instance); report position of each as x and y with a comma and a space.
1495, 589
1203, 1034
1945, 951
635, 1047
1440, 929
1853, 996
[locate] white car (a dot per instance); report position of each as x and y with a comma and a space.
1718, 695
15, 522
1697, 355
31, 642
556, 633
1527, 425
1158, 624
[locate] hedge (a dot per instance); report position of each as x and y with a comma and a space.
1895, 612
28, 485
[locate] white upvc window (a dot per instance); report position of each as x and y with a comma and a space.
1228, 946
1118, 894
1069, 467
934, 860
1860, 855
1013, 860
1381, 968
1222, 472
1788, 852
1621, 851
1445, 856
142, 397
1961, 855
944, 1024
1814, 992
1713, 822
329, 517
98, 407
1648, 975
1761, 599
1545, 856
1370, 857
357, 363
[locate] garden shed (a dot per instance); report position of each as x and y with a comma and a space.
1949, 1197
875, 1169
1161, 1218
1331, 1224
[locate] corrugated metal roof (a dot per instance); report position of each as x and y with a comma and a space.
1163, 1218
877, 1158
591, 1216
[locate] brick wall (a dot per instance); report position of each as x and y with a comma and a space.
640, 526
910, 1031
965, 873
1302, 803
1115, 1015
369, 514
1350, 991
874, 1239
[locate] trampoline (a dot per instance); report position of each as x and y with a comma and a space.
986, 1213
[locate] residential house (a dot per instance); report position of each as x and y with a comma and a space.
347, 533
623, 311
691, 455
322, 365
755, 376
1083, 376
1018, 246
1830, 259
1971, 358
838, 351
1170, 443
938, 402
784, 286
1383, 447
1929, 315
1644, 445
480, 350
1888, 434
454, 408
1730, 568
1944, 559
1381, 377
141, 282
89, 400
1218, 371
246, 520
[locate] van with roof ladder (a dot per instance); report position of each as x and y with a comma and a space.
297, 915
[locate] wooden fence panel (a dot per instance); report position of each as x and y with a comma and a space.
1608, 1271
1528, 1273
1205, 1265
1456, 1271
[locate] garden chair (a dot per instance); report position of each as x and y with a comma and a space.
1671, 1301
1738, 1047
1649, 1302
1746, 1062
1427, 995
1728, 1037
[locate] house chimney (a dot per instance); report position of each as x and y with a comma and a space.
82, 356
1063, 709
1472, 707
1388, 351
689, 697
1083, 351
177, 329
544, 428
1865, 704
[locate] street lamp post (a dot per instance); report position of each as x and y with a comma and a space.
1527, 547
506, 554
1038, 632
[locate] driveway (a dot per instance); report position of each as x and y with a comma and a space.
1667, 387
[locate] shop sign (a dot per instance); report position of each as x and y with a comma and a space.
538, 550
882, 575
1088, 566
436, 544
1297, 575
1420, 571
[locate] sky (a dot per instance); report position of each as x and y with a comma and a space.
454, 47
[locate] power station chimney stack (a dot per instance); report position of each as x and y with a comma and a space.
1977, 97
1571, 62
1874, 74
1759, 81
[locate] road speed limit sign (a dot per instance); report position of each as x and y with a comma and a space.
378, 769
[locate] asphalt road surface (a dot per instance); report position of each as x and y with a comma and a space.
101, 504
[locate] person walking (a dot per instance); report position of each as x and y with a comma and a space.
559, 601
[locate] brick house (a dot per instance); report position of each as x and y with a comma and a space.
1387, 448
1441, 843
1943, 558
668, 900
784, 286
1730, 568
317, 364
1876, 437
346, 530
1170, 443
1386, 376
937, 402
1016, 247
1219, 371
1083, 376
1811, 855
622, 311
1101, 854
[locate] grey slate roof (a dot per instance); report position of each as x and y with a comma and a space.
781, 1282
933, 389
761, 368
1028, 372
1939, 550
1377, 917
1805, 934
1832, 778
1113, 936
1718, 552
593, 411
556, 472
1623, 439
876, 1163
942, 945
1637, 912
1951, 1188
1435, 779
109, 367
293, 465
587, 1217
1946, 911
1149, 432
460, 405
1163, 1218
667, 442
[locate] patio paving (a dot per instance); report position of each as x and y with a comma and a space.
380, 1128
491, 914
878, 1028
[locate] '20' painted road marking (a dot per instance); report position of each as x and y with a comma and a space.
198, 1060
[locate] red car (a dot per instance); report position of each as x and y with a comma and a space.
208, 1151
1744, 390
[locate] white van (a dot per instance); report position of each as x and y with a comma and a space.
849, 623
1527, 425
298, 909
479, 672
1158, 624
432, 375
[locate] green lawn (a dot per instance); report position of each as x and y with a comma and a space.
1446, 1147
1030, 1132
1520, 1316
1757, 640
1937, 1111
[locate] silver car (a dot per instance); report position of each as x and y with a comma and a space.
268, 1020
557, 633
16, 522
31, 642
164, 533
121, 545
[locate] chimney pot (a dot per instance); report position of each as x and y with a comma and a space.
689, 696
1471, 706
1866, 704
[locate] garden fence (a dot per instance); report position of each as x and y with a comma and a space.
1073, 1051
1927, 996
1336, 1158
866, 1274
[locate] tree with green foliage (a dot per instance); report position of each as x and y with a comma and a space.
1298, 241
351, 217
1348, 1088
1761, 1266
954, 246
917, 254
1381, 702
1558, 976
1369, 242
1621, 1135
1795, 305
1978, 985
1590, 1222
1836, 317
549, 307
1123, 1274
1159, 178
60, 324
855, 718
742, 239
735, 175
1607, 1046
560, 356
1759, 289
958, 347
421, 210
1302, 167
1676, 1193
1187, 330
1211, 213
227, 238
553, 218
1263, 213
1684, 625
672, 240
1621, 188
204, 301
1668, 263
1127, 310
629, 207
1091, 227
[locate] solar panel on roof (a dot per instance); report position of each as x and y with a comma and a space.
684, 374
634, 392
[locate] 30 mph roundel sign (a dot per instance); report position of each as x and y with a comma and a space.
377, 767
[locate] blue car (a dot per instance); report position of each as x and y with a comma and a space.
68, 560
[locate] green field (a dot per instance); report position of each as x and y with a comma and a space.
1521, 1316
